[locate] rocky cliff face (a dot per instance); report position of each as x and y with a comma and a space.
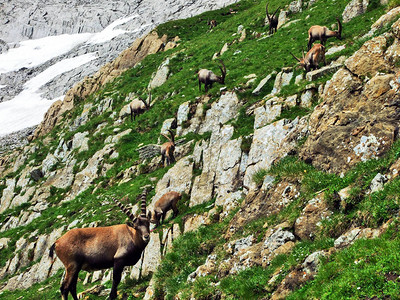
356, 120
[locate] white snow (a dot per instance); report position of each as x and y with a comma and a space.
28, 108
32, 53
110, 32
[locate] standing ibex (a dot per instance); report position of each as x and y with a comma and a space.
272, 20
101, 248
322, 33
167, 149
212, 23
167, 202
312, 58
139, 106
208, 77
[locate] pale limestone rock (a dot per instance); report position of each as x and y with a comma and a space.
63, 177
151, 259
354, 9
125, 111
267, 113
203, 185
291, 101
183, 113
295, 6
335, 49
48, 163
221, 112
282, 18
268, 144
282, 79
313, 75
4, 243
378, 183
84, 178
20, 199
161, 76
262, 83
80, 140
194, 222
168, 124
8, 194
115, 139
306, 99
298, 78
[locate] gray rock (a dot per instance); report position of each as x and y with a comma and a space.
295, 6
161, 76
313, 75
262, 83
378, 183
168, 124
80, 141
221, 112
353, 9
282, 18
277, 239
282, 79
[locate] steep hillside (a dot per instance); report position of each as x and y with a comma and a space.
289, 180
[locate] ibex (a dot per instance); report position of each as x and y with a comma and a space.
167, 202
272, 20
312, 58
208, 77
322, 33
212, 23
139, 106
101, 248
167, 149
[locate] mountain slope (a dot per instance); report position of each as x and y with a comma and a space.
262, 210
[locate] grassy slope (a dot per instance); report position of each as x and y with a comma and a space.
259, 56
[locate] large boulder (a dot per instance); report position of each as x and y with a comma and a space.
353, 9
355, 122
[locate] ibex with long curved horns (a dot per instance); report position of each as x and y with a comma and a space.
139, 106
101, 248
322, 33
208, 77
272, 20
167, 149
313, 57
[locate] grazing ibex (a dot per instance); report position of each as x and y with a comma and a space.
167, 149
272, 20
101, 248
322, 33
208, 77
212, 23
139, 106
167, 202
313, 57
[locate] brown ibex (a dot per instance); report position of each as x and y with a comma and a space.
101, 248
208, 77
167, 202
212, 23
272, 20
322, 33
139, 106
167, 149
313, 57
